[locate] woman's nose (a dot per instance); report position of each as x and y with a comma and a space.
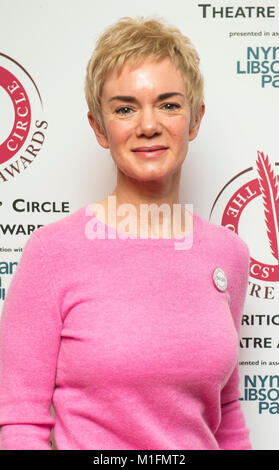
148, 123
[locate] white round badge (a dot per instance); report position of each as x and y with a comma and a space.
220, 279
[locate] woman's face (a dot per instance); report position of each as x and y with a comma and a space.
146, 118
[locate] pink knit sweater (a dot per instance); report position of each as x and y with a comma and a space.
129, 339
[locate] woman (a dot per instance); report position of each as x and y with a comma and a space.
131, 338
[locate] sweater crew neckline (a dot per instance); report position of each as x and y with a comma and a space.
111, 233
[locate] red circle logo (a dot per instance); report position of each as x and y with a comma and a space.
264, 190
22, 130
22, 119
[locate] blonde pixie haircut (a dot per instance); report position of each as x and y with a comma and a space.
135, 40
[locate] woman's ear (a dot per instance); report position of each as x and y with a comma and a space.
195, 127
100, 134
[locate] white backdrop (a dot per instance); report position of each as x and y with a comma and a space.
46, 44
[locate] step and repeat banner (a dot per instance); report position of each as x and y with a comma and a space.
51, 164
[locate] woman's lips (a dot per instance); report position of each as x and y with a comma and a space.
150, 152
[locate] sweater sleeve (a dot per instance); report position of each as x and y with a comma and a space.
232, 433
29, 343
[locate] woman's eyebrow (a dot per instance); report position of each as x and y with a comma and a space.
132, 99
165, 96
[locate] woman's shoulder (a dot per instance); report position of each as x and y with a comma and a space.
65, 230
223, 237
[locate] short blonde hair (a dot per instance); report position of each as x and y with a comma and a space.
136, 39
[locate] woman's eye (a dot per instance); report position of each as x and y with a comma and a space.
171, 106
124, 110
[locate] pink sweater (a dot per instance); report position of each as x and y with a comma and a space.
129, 339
